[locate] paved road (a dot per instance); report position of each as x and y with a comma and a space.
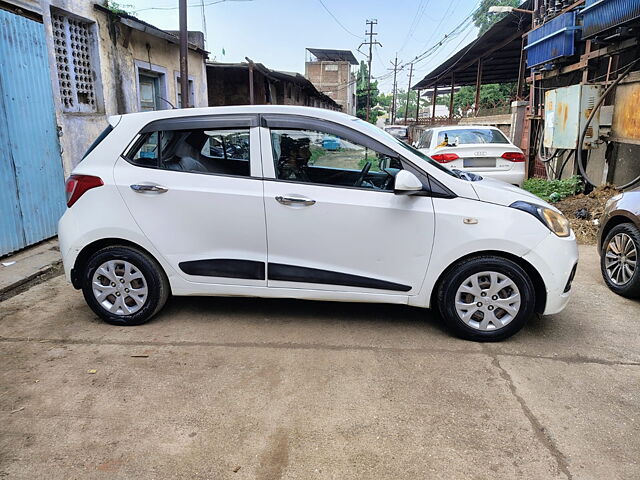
264, 389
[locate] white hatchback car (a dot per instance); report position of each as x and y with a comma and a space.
255, 201
478, 150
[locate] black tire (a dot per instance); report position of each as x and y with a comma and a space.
454, 278
630, 289
158, 289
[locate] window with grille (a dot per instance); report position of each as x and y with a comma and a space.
73, 43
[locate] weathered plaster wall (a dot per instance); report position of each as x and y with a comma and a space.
115, 68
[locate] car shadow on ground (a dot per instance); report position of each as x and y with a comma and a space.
251, 310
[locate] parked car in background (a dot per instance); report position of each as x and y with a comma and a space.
154, 211
479, 150
619, 244
401, 132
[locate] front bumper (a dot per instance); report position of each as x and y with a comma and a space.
555, 259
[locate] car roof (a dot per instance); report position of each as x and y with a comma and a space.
465, 127
146, 117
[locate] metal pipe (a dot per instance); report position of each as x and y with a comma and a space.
478, 85
406, 108
433, 102
583, 134
184, 52
453, 81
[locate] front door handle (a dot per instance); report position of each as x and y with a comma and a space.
302, 201
148, 188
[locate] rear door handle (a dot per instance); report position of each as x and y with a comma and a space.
302, 201
148, 188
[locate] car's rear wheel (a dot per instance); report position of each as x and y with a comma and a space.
486, 298
124, 286
619, 260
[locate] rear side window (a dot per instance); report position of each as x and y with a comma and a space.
213, 151
97, 141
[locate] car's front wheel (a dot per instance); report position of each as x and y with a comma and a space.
486, 298
124, 286
619, 260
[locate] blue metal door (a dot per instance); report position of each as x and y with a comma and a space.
31, 176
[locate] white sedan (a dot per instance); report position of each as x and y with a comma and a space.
258, 201
478, 150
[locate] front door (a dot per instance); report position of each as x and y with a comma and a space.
196, 193
333, 221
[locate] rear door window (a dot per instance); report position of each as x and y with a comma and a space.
208, 151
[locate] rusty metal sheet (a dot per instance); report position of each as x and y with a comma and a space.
626, 114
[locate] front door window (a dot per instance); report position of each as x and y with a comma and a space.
311, 156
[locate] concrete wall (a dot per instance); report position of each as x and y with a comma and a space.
115, 69
337, 84
503, 122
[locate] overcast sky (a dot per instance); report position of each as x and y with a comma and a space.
276, 32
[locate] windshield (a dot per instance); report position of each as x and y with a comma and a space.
397, 131
459, 136
377, 131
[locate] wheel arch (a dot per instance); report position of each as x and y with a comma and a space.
91, 248
538, 283
614, 221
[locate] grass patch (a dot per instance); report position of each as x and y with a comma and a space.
553, 190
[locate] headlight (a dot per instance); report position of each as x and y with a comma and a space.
554, 221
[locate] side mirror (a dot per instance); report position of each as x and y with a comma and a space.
406, 183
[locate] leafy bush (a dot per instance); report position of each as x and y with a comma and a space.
553, 190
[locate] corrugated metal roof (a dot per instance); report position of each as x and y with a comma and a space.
328, 55
499, 48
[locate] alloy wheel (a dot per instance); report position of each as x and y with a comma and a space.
621, 259
119, 287
487, 301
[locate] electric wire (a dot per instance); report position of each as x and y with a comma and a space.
338, 21
583, 134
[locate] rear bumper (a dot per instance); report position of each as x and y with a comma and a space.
514, 177
555, 259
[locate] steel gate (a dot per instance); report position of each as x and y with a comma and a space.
32, 195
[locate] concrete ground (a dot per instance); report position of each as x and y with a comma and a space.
264, 389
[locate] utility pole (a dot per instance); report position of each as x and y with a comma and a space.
406, 109
395, 87
371, 43
184, 50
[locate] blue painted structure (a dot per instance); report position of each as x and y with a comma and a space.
330, 143
32, 197
601, 15
555, 39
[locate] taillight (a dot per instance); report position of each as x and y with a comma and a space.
78, 184
445, 157
513, 156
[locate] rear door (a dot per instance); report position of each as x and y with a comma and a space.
194, 186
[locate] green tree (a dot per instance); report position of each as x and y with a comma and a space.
491, 95
401, 104
361, 94
484, 20
384, 100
